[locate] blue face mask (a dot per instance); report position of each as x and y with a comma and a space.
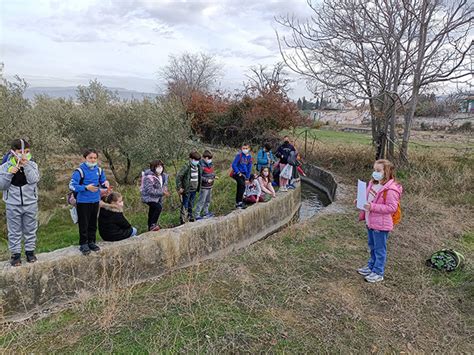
195, 162
91, 165
208, 161
377, 176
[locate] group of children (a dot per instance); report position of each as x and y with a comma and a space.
96, 204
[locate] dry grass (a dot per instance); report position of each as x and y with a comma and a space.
297, 291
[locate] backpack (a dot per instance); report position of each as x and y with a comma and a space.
397, 215
446, 260
6, 158
292, 158
71, 197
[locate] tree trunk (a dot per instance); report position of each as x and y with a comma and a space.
416, 81
108, 156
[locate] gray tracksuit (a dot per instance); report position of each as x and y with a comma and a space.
20, 193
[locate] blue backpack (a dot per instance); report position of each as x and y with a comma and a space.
6, 158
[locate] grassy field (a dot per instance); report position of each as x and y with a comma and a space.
297, 291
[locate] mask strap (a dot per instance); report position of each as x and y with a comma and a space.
22, 146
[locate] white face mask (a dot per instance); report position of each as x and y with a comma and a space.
377, 176
159, 170
208, 161
245, 151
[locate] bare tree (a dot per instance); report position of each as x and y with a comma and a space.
190, 72
263, 80
369, 50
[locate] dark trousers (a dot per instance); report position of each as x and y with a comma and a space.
87, 220
187, 206
153, 213
239, 196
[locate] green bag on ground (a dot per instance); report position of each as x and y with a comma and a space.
446, 260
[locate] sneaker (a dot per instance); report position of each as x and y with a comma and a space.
94, 247
373, 277
291, 187
209, 215
364, 271
31, 257
191, 219
15, 260
198, 218
84, 249
154, 228
240, 206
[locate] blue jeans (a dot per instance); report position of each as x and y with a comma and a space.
187, 206
377, 241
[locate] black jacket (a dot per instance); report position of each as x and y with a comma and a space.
113, 226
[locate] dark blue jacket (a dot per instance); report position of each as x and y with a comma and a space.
242, 164
283, 152
91, 176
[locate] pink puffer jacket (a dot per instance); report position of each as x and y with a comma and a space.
381, 210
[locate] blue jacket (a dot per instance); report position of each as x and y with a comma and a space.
262, 159
91, 176
242, 164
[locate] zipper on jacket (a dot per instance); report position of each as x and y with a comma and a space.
21, 196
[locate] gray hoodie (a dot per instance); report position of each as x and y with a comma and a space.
19, 189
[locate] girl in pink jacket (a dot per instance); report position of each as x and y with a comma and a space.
383, 198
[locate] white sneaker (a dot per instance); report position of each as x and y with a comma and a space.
373, 277
364, 271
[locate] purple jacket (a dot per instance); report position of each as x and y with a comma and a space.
152, 190
381, 210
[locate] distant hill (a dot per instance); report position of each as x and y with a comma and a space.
70, 92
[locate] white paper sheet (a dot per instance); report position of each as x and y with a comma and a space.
361, 194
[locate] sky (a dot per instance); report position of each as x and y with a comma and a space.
123, 43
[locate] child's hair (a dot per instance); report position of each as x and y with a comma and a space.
388, 170
89, 151
245, 144
155, 163
251, 177
194, 155
113, 197
268, 178
207, 154
267, 146
16, 144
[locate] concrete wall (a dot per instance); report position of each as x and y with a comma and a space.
61, 275
320, 179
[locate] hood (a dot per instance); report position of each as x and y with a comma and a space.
149, 172
111, 207
392, 185
206, 165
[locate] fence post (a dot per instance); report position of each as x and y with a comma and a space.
305, 142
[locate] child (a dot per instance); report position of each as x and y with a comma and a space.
283, 153
113, 226
241, 169
383, 199
154, 187
85, 182
265, 158
188, 183
19, 177
207, 181
253, 191
265, 181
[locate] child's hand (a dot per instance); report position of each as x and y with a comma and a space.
367, 207
107, 184
210, 181
180, 191
92, 188
13, 169
247, 182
